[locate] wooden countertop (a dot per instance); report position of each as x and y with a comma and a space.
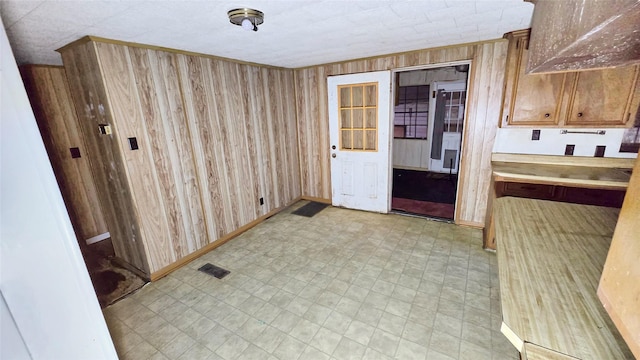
550, 258
575, 171
577, 176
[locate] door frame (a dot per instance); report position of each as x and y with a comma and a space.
464, 128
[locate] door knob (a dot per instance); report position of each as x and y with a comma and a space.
333, 155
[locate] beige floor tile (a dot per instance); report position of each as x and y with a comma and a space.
232, 348
384, 342
304, 331
444, 343
178, 346
343, 284
289, 349
392, 324
142, 350
411, 351
325, 340
348, 349
359, 332
196, 352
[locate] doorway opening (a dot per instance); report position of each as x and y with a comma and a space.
428, 120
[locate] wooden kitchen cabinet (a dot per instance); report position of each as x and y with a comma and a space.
529, 99
597, 98
604, 97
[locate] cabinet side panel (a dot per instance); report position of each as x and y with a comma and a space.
51, 101
619, 289
107, 163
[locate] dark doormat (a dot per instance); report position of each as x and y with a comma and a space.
214, 270
310, 209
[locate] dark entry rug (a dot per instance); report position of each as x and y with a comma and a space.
424, 186
310, 209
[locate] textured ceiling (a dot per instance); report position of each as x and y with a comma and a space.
294, 34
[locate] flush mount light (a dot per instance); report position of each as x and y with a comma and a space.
249, 19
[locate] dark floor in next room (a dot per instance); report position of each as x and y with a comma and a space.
424, 193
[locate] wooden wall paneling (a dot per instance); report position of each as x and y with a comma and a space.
184, 170
107, 166
243, 127
255, 108
141, 174
269, 136
251, 164
167, 133
481, 121
51, 101
229, 122
489, 75
202, 119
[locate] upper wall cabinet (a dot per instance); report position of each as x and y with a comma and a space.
598, 98
570, 35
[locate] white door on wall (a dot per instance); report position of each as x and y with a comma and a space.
446, 120
359, 124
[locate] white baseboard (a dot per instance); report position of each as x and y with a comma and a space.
98, 238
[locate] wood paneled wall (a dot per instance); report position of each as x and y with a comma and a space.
108, 169
52, 105
214, 137
243, 131
483, 111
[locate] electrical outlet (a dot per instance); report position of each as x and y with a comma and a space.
568, 150
535, 135
133, 143
75, 152
600, 151
261, 201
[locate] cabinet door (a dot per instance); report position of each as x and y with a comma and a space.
604, 97
536, 99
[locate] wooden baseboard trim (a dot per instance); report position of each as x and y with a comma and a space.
196, 254
316, 199
473, 224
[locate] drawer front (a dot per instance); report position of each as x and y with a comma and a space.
533, 191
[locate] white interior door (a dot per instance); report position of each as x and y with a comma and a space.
359, 124
445, 157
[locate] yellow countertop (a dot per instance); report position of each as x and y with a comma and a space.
550, 258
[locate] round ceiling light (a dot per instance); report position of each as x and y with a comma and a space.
249, 19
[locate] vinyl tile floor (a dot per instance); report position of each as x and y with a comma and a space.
343, 284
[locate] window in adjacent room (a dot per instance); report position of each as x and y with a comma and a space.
411, 113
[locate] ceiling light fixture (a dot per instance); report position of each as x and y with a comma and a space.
249, 19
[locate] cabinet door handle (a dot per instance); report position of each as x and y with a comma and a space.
547, 115
579, 114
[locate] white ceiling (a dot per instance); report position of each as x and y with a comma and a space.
295, 33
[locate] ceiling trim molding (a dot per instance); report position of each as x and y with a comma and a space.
444, 47
91, 38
